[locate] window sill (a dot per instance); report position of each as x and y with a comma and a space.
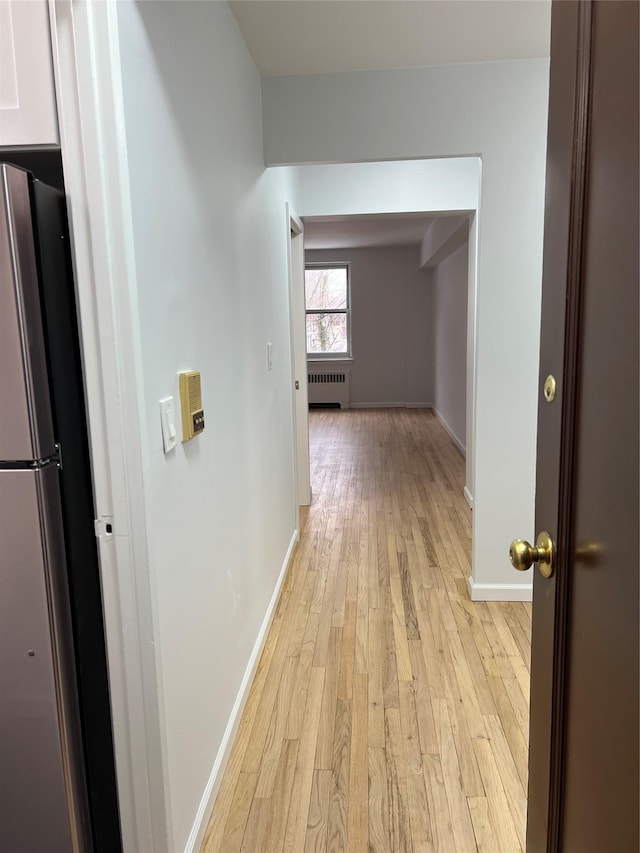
316, 360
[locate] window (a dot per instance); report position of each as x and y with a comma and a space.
327, 306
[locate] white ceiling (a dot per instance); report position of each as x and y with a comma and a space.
359, 232
324, 36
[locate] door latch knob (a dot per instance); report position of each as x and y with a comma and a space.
523, 555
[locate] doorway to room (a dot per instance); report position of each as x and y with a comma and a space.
382, 205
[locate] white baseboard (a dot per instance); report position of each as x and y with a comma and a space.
391, 405
499, 591
468, 497
452, 434
196, 836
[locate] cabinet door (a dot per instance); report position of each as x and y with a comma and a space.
27, 93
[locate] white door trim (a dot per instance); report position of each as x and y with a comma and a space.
90, 114
295, 255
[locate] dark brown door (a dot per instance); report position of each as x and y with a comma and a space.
583, 765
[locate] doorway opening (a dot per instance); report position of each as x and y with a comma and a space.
431, 204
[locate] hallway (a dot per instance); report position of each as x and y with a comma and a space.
389, 713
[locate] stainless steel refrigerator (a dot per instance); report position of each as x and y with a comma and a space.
56, 754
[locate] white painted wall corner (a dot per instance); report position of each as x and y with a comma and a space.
451, 433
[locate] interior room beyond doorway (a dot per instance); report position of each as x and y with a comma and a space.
408, 292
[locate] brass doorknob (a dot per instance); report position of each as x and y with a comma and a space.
523, 555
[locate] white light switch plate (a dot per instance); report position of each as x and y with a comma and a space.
168, 421
269, 358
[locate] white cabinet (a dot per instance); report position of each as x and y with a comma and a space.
27, 92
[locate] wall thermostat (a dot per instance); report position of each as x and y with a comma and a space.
191, 404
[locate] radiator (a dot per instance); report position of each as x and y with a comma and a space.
329, 389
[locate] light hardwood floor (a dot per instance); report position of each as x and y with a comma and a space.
389, 713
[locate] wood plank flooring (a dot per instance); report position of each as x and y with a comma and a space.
389, 713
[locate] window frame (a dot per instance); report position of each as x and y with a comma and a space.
329, 356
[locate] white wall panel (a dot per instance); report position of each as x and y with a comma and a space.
210, 242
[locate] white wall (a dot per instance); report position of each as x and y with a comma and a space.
449, 281
496, 110
209, 236
390, 311
415, 186
419, 318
